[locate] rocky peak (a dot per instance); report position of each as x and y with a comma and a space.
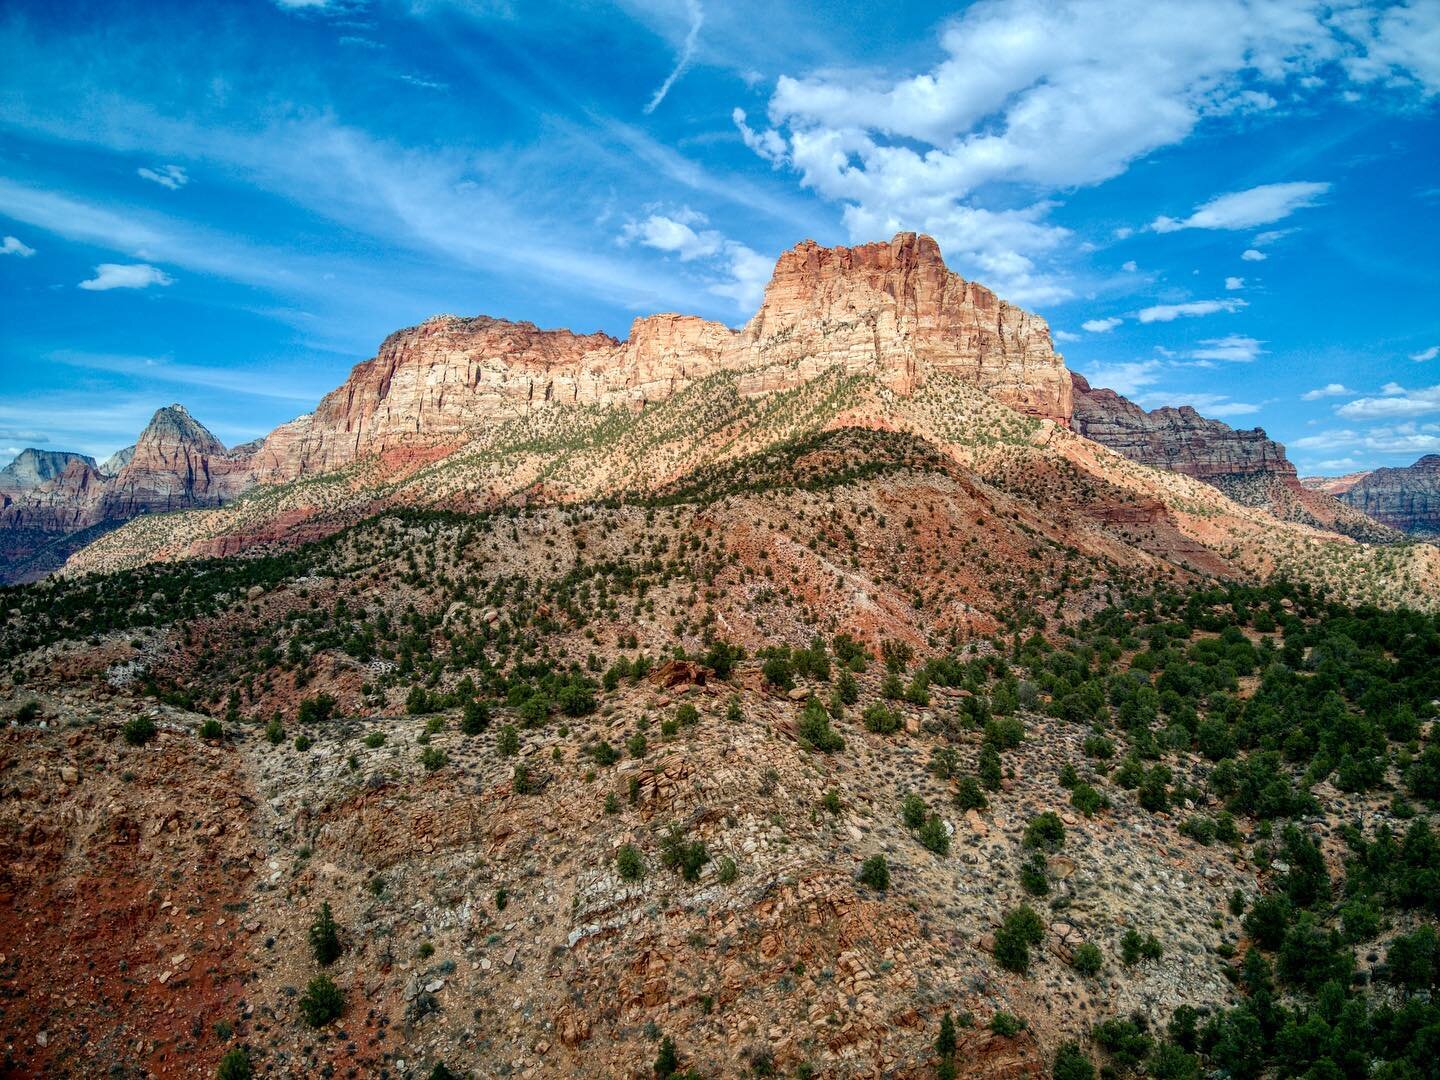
33, 467
173, 427
1407, 499
117, 461
896, 311
1177, 439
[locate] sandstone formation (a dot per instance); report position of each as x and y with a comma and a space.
55, 501
1248, 466
1407, 499
887, 310
32, 467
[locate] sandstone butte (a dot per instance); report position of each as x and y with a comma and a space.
888, 310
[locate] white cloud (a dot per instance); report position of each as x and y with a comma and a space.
1129, 267
1065, 335
11, 246
1217, 405
1423, 355
167, 176
768, 143
1333, 389
1251, 255
687, 53
1234, 283
1232, 348
743, 271
131, 276
1246, 209
1171, 312
1406, 438
1125, 378
292, 5
1392, 406
1100, 326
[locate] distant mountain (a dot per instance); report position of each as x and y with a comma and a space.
32, 467
1248, 466
52, 502
1407, 498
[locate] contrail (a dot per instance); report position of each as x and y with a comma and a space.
697, 16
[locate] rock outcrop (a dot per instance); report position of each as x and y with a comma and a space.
57, 501
892, 311
1248, 466
1407, 499
32, 467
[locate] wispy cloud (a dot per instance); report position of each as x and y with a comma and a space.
1232, 348
125, 276
11, 246
1397, 403
1333, 389
741, 273
163, 370
1190, 309
1101, 326
1247, 209
167, 176
1125, 378
687, 52
1421, 356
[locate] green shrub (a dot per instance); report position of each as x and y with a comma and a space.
1088, 800
969, 796
325, 937
275, 731
322, 1001
432, 758
1020, 929
989, 768
1033, 878
913, 811
875, 872
138, 730
474, 717
1086, 959
637, 745
303, 742
1071, 1064
880, 719
726, 871
317, 709
1045, 831
375, 739
629, 863
687, 715
1006, 1024
831, 800
814, 728
508, 741
687, 858
1134, 947
235, 1065
211, 730
935, 836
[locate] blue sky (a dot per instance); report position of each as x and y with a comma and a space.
1231, 204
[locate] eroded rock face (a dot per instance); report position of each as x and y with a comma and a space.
176, 464
33, 467
889, 310
1407, 499
1179, 440
1248, 466
894, 311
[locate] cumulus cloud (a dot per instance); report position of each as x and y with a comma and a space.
1217, 405
1333, 389
1246, 209
1126, 378
1421, 356
1100, 326
167, 176
1065, 335
737, 271
129, 276
1047, 96
1129, 266
1232, 348
1171, 312
1395, 402
687, 53
11, 246
1234, 283
1251, 255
